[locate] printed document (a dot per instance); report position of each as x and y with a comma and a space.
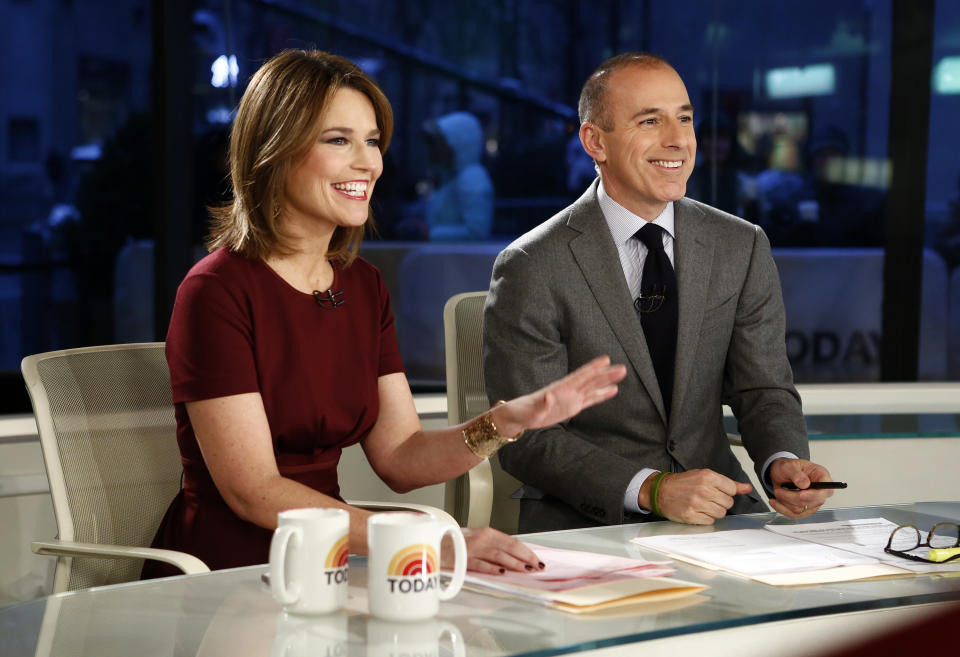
867, 537
785, 555
580, 582
754, 551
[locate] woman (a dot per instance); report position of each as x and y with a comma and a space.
281, 345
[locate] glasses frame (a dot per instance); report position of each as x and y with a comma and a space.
912, 557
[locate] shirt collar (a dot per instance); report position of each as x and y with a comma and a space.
625, 224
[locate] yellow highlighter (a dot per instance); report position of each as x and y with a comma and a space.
943, 554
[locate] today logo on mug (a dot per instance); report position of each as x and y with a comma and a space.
413, 569
403, 572
336, 563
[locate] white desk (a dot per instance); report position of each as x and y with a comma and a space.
918, 451
232, 613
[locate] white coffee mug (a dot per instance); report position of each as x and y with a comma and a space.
424, 638
308, 560
403, 580
302, 636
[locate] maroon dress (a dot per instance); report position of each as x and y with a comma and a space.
237, 327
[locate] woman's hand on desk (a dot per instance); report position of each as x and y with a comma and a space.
491, 552
804, 502
586, 386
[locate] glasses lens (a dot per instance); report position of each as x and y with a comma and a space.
945, 535
905, 538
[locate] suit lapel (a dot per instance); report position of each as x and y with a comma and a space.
596, 255
693, 260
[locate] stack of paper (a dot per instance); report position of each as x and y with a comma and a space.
585, 581
788, 555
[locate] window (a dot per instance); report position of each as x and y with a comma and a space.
793, 135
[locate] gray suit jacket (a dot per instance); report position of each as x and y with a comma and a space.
558, 298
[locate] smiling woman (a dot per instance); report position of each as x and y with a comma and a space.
281, 345
331, 185
277, 137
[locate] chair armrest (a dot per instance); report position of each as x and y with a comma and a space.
480, 489
439, 514
470, 496
188, 563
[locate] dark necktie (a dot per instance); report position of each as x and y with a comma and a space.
657, 306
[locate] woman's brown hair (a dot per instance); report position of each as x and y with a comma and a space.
276, 124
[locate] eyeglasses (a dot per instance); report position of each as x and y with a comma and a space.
907, 537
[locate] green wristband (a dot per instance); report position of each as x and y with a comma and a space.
655, 492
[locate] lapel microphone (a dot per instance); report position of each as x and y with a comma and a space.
328, 300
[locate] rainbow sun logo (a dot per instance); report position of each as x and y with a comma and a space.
413, 560
339, 554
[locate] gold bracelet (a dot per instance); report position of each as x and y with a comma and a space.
482, 436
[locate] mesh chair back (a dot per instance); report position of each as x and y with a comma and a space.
467, 398
107, 428
465, 384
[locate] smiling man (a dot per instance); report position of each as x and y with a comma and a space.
686, 296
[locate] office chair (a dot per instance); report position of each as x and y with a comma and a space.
482, 496
108, 434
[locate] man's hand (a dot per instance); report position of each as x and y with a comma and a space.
696, 497
801, 503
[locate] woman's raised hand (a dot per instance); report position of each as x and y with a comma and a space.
586, 386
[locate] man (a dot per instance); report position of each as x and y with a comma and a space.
578, 285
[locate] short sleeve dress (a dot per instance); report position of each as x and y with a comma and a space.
237, 327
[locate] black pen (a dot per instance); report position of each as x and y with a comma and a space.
815, 485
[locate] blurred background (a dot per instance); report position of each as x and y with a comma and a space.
827, 122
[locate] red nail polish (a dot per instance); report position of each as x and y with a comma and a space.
542, 565
503, 570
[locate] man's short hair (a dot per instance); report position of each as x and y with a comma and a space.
592, 106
